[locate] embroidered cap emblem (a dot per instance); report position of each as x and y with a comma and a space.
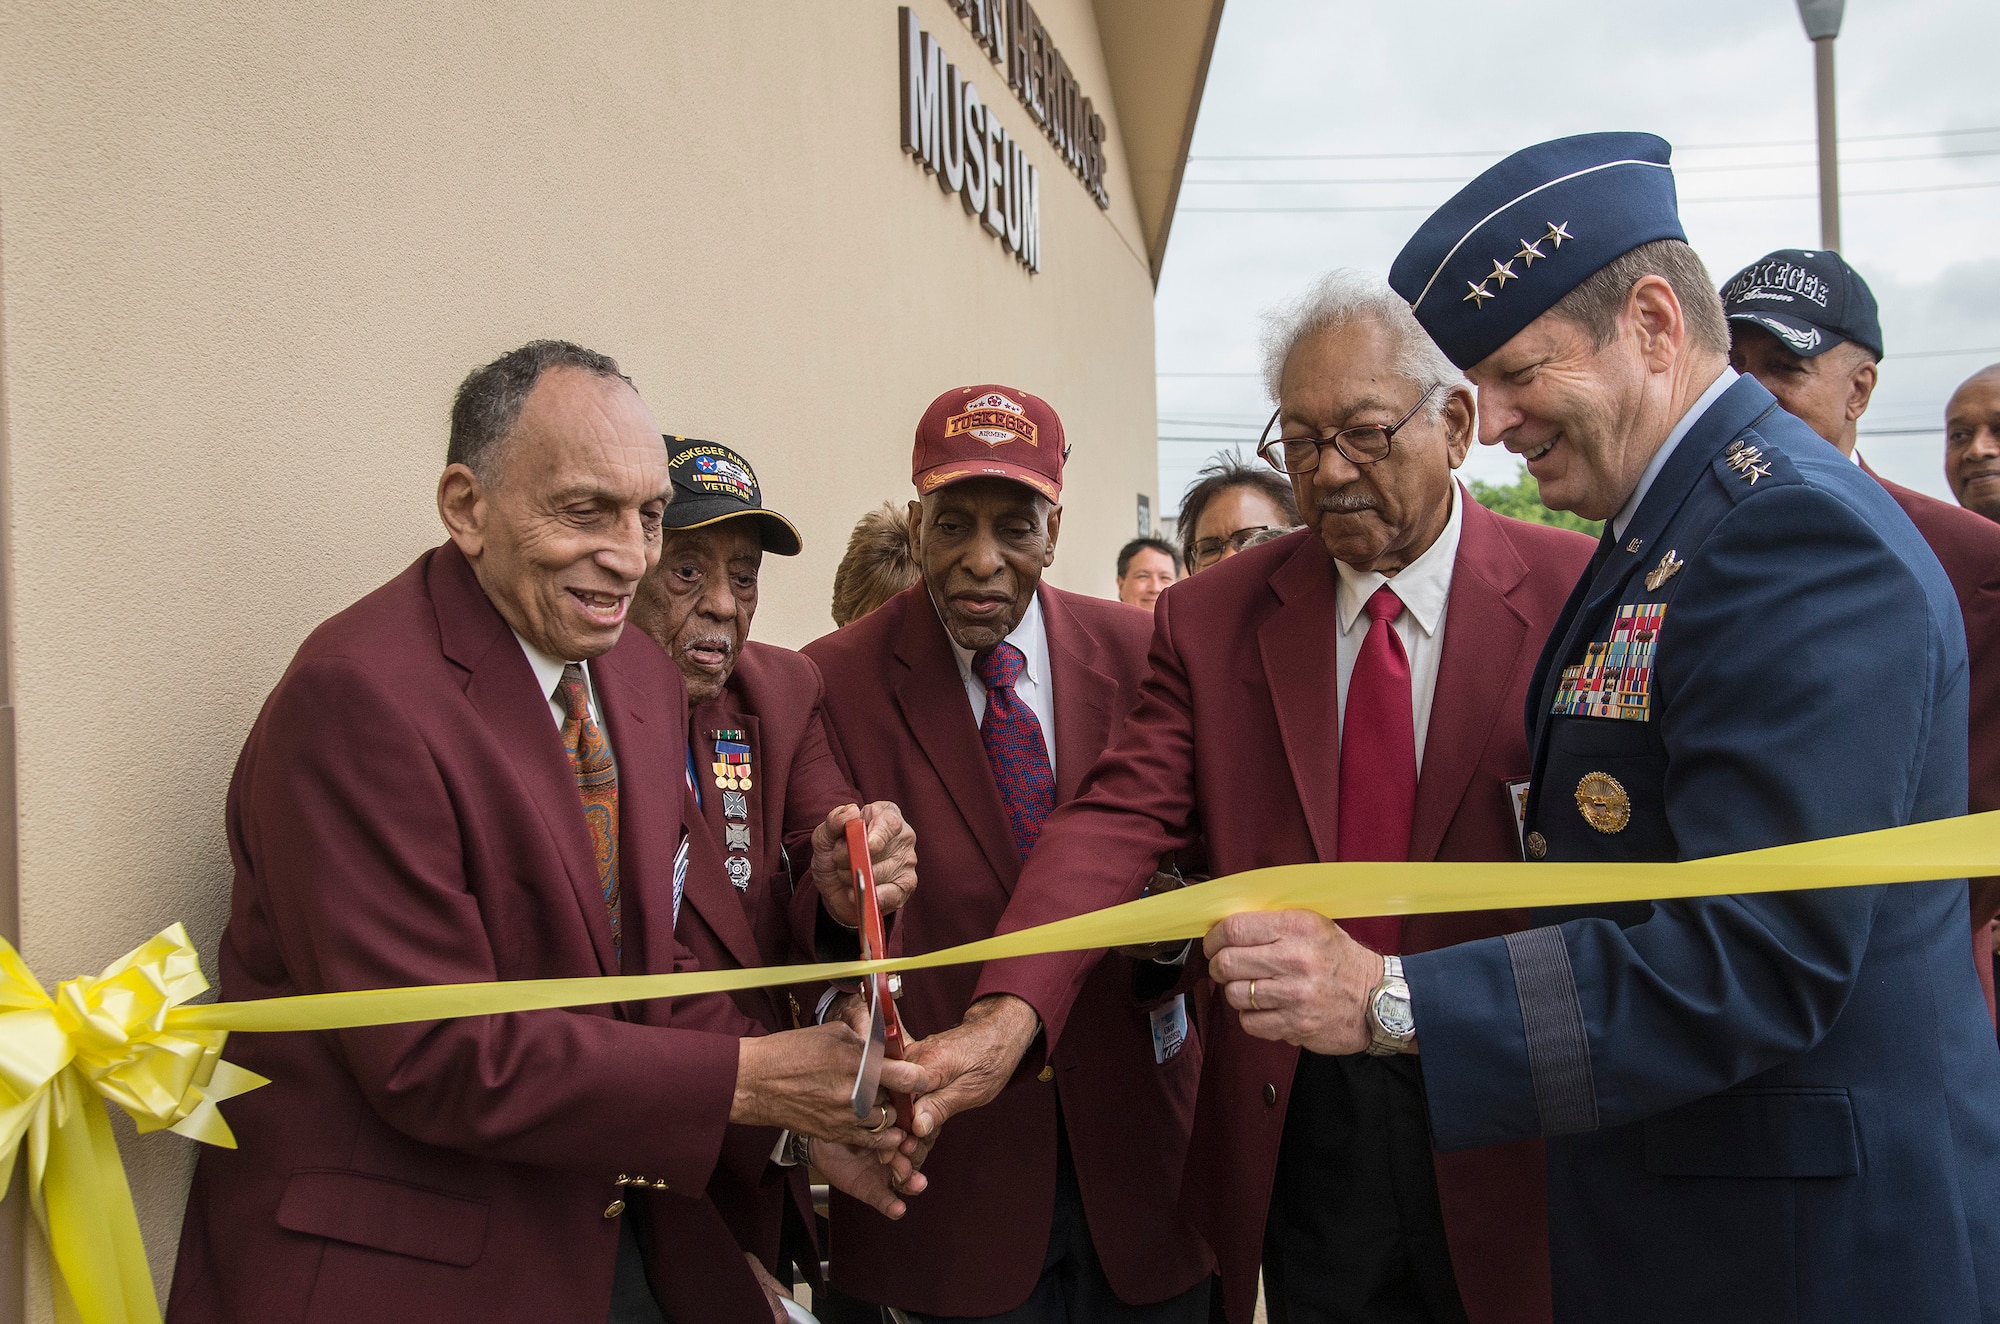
1603, 802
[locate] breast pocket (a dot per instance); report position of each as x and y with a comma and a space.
1603, 792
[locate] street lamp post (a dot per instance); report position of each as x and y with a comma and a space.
1822, 20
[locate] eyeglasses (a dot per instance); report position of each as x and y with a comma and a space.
1209, 550
1362, 445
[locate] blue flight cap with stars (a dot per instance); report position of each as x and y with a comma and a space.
1514, 241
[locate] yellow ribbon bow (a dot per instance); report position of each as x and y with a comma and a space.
111, 1035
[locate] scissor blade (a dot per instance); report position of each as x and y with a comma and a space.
869, 1080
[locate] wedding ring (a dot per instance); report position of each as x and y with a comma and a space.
1253, 996
888, 1116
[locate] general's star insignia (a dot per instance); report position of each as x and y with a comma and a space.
1557, 233
1749, 462
1480, 294
1529, 252
1502, 272
1669, 566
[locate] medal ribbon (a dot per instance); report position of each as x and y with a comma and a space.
129, 1036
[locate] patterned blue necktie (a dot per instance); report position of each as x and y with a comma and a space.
1014, 745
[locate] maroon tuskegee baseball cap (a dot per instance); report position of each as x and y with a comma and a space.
989, 431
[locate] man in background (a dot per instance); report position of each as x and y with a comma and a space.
876, 566
978, 700
1804, 324
1229, 504
1972, 442
766, 809
1145, 567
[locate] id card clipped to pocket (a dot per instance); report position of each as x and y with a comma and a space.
1170, 1026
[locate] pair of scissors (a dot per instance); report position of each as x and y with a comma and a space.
886, 1039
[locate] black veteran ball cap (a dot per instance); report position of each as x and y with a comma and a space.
1514, 241
1809, 298
713, 483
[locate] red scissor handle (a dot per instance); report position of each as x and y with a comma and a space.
875, 945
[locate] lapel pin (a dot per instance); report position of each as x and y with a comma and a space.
1669, 566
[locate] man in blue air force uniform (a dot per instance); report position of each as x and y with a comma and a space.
1775, 1107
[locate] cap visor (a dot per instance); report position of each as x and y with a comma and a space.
958, 471
776, 534
1794, 333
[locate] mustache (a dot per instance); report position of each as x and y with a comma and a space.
719, 642
1347, 501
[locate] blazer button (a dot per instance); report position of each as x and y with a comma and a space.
615, 1208
1270, 1096
1538, 846
1047, 1074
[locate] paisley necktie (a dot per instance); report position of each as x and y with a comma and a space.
1014, 745
597, 783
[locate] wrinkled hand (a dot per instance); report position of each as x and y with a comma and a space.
774, 1291
849, 1009
1312, 980
802, 1080
969, 1065
1163, 882
892, 848
868, 1178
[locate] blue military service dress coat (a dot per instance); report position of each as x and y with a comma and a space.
1763, 1107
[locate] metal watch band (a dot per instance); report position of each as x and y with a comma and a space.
1383, 1042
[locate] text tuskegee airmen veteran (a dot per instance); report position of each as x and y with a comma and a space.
1758, 1107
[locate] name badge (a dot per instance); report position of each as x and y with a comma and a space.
1169, 1028
1517, 796
1615, 678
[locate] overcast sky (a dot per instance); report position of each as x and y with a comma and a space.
1418, 97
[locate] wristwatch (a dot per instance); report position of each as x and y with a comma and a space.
1391, 1027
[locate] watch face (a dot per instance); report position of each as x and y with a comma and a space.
1392, 1013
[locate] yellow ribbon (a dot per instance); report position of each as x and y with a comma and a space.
129, 1036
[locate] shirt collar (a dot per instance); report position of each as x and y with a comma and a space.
1028, 636
548, 670
1661, 456
1424, 584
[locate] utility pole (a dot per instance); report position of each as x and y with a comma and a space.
1822, 20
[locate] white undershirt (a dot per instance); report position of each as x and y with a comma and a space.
1424, 585
1036, 686
548, 674
1660, 456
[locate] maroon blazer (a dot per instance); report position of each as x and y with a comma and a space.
973, 1243
773, 697
404, 813
1968, 547
1236, 739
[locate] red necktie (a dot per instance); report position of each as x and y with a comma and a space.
1378, 760
1015, 745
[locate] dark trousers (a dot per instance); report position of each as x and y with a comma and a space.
1073, 1288
1355, 1235
632, 1299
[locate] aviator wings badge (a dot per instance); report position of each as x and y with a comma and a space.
1669, 566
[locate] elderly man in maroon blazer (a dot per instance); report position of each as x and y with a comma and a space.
1804, 323
474, 774
978, 700
766, 809
1349, 692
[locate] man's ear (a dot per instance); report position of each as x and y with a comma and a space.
1055, 530
462, 502
1661, 324
1860, 387
1460, 417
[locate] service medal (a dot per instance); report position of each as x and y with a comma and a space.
739, 872
1603, 802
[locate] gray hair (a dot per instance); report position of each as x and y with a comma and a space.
1345, 295
489, 400
1597, 301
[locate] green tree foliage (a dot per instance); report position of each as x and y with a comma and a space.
1522, 499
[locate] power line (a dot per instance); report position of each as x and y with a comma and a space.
1754, 197
1682, 147
1900, 354
1740, 165
1899, 432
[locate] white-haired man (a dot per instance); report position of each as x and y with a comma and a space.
1429, 612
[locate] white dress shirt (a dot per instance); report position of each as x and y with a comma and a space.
548, 674
1660, 456
1036, 687
1424, 585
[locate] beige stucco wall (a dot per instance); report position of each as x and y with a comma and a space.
248, 249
